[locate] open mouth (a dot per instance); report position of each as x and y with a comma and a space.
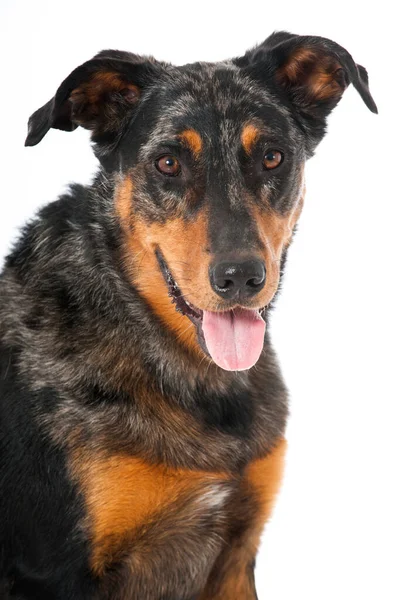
233, 338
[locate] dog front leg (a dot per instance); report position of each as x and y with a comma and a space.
232, 577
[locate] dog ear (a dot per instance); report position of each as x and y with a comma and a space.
313, 72
100, 95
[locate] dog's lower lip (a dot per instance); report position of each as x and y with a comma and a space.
182, 305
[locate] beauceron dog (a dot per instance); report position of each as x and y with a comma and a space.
142, 411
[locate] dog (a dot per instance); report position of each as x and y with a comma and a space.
142, 406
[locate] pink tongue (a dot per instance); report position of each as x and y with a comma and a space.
234, 339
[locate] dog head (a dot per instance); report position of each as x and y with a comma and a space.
208, 168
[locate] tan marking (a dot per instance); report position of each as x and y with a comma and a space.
275, 232
312, 70
231, 578
184, 245
249, 135
264, 479
293, 67
124, 202
93, 92
193, 140
123, 493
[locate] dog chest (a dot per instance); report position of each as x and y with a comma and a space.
141, 518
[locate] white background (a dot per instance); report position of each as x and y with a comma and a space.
335, 530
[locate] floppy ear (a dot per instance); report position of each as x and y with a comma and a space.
100, 95
312, 72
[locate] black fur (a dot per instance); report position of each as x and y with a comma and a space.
81, 349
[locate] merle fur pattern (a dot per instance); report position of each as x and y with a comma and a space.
79, 347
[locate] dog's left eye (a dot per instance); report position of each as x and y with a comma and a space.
272, 159
168, 165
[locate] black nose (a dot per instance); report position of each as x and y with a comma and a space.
238, 279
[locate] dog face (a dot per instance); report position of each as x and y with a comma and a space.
208, 168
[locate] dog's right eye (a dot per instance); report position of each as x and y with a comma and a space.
168, 165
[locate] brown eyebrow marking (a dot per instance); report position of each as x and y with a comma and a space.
249, 135
193, 140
